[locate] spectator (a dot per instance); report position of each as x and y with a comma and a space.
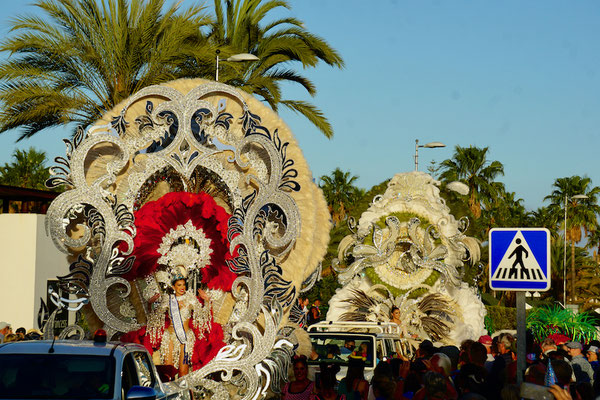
354, 386
5, 329
327, 382
383, 387
548, 345
383, 383
536, 374
349, 347
333, 351
314, 314
470, 382
11, 337
434, 387
21, 332
465, 350
478, 354
592, 357
301, 388
500, 372
486, 340
581, 367
33, 334
425, 350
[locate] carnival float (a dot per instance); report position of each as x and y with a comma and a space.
191, 222
408, 252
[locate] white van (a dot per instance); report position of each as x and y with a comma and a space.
333, 342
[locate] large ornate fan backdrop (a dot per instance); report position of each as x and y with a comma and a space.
170, 165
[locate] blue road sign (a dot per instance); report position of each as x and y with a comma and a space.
520, 259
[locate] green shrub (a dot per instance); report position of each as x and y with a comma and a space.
502, 317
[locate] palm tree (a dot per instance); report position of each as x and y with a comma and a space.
582, 212
240, 27
544, 217
82, 57
505, 209
470, 165
28, 170
340, 193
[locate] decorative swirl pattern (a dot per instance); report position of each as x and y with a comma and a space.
187, 138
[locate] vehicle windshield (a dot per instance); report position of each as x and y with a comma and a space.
56, 376
338, 349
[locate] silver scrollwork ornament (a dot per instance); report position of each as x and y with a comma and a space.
204, 138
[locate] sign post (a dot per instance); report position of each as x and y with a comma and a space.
520, 261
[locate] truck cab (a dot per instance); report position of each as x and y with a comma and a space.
68, 369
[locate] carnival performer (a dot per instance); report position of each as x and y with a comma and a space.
188, 321
395, 316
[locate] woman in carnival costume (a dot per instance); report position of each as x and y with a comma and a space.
182, 242
188, 320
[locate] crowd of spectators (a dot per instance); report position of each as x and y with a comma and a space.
7, 335
482, 369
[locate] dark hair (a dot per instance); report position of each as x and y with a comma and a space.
394, 308
434, 383
333, 349
383, 369
178, 278
471, 378
426, 348
478, 354
327, 377
301, 360
563, 371
356, 370
21, 330
383, 386
452, 352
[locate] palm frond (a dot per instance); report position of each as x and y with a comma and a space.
312, 113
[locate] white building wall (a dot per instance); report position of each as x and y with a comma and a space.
28, 260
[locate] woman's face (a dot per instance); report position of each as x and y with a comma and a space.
396, 314
300, 371
364, 347
179, 287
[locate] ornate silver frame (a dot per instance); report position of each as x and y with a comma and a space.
183, 134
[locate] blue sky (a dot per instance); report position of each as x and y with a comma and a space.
521, 78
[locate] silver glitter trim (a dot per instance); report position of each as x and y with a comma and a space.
185, 136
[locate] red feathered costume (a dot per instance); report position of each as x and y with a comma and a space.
156, 219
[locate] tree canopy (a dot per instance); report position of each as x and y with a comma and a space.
28, 170
80, 58
77, 59
242, 27
471, 166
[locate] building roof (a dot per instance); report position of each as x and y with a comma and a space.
25, 194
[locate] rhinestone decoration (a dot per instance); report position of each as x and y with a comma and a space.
185, 254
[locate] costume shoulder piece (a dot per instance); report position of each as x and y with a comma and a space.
198, 178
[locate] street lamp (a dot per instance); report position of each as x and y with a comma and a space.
431, 145
234, 58
576, 197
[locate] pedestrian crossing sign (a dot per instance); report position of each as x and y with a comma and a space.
519, 259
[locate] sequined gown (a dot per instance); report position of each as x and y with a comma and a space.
185, 312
